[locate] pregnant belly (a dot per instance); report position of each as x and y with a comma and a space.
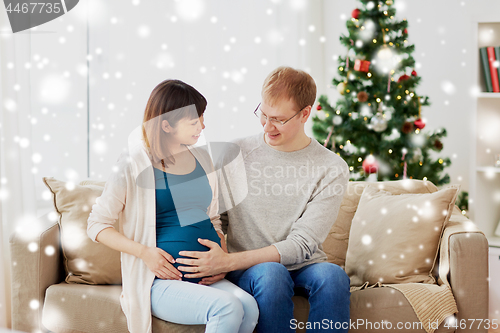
187, 241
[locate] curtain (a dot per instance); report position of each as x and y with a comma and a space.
17, 181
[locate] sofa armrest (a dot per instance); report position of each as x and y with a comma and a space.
468, 278
34, 269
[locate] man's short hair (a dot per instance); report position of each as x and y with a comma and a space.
289, 83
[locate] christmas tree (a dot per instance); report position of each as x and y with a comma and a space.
376, 125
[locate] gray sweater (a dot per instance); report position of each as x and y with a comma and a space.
286, 199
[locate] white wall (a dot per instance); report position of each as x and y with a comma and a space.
133, 45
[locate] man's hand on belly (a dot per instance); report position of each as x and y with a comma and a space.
202, 264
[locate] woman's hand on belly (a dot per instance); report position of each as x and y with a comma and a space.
160, 263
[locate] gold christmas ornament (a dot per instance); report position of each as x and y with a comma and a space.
389, 2
341, 88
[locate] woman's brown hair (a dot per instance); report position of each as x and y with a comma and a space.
169, 95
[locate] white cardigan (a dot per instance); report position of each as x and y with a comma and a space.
129, 197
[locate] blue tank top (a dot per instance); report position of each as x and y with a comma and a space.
181, 212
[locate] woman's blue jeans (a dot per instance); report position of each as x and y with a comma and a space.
222, 306
325, 285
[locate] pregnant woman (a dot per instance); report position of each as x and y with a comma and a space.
163, 193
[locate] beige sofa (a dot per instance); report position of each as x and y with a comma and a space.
39, 290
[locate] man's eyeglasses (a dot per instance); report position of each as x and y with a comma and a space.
262, 116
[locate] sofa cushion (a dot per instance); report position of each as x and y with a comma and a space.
84, 260
100, 183
335, 245
395, 238
99, 310
370, 307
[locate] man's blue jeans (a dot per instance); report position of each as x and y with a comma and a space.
326, 286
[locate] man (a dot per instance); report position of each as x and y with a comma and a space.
295, 187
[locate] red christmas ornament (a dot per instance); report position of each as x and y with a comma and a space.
403, 77
419, 123
361, 65
318, 107
405, 32
370, 164
414, 73
355, 13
